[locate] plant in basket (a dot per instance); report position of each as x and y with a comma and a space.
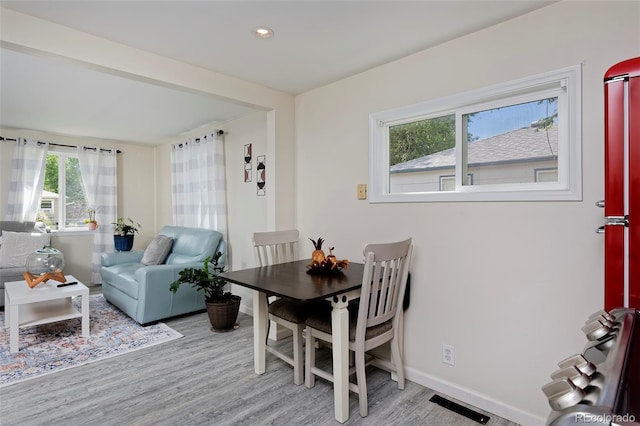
222, 306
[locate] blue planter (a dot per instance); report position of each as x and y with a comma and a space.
123, 242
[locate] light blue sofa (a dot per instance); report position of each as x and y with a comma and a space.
142, 291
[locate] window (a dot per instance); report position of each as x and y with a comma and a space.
546, 175
519, 140
46, 206
448, 182
64, 202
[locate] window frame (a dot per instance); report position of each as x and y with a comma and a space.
541, 171
61, 213
564, 83
441, 179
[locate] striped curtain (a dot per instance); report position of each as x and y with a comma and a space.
98, 168
27, 180
198, 185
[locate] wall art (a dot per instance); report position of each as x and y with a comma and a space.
247, 163
260, 178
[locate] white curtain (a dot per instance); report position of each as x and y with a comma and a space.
98, 168
198, 185
27, 179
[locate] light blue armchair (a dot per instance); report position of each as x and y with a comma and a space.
142, 291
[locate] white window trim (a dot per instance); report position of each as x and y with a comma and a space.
62, 172
569, 185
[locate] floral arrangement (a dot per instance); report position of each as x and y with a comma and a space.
92, 222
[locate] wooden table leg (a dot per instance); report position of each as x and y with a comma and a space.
260, 318
340, 341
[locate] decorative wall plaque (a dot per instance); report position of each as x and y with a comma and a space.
247, 163
260, 170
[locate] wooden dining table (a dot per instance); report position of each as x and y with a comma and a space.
293, 281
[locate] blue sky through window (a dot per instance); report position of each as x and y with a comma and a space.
485, 124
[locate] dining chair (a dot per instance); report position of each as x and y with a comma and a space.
279, 247
373, 321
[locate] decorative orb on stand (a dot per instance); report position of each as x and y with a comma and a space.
44, 264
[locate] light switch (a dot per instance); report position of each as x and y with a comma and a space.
362, 191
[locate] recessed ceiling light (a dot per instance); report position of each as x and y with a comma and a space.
263, 32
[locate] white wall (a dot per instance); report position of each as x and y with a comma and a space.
507, 284
247, 212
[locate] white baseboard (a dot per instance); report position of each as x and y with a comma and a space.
246, 309
476, 399
465, 395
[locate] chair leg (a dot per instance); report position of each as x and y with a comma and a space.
361, 377
298, 355
310, 359
268, 322
396, 360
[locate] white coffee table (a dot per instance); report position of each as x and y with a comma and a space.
45, 303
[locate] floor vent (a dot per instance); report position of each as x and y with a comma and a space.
457, 408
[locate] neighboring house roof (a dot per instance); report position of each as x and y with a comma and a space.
523, 145
48, 194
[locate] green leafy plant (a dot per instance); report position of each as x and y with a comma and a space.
206, 279
120, 227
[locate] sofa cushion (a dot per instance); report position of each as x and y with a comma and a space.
16, 246
157, 250
123, 277
191, 244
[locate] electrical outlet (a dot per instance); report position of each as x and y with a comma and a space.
448, 354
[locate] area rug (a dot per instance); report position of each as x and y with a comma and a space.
53, 347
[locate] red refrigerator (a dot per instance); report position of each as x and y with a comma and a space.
622, 185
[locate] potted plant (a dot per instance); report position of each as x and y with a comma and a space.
124, 233
92, 223
222, 306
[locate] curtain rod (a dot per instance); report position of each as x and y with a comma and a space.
218, 132
2, 138
181, 144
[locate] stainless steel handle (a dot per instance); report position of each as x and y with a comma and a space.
600, 203
617, 220
613, 221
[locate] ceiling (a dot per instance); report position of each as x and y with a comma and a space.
315, 43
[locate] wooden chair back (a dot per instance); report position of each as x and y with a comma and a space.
383, 286
276, 246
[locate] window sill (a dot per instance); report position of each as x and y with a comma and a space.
67, 233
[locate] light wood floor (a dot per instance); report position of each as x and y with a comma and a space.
207, 378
